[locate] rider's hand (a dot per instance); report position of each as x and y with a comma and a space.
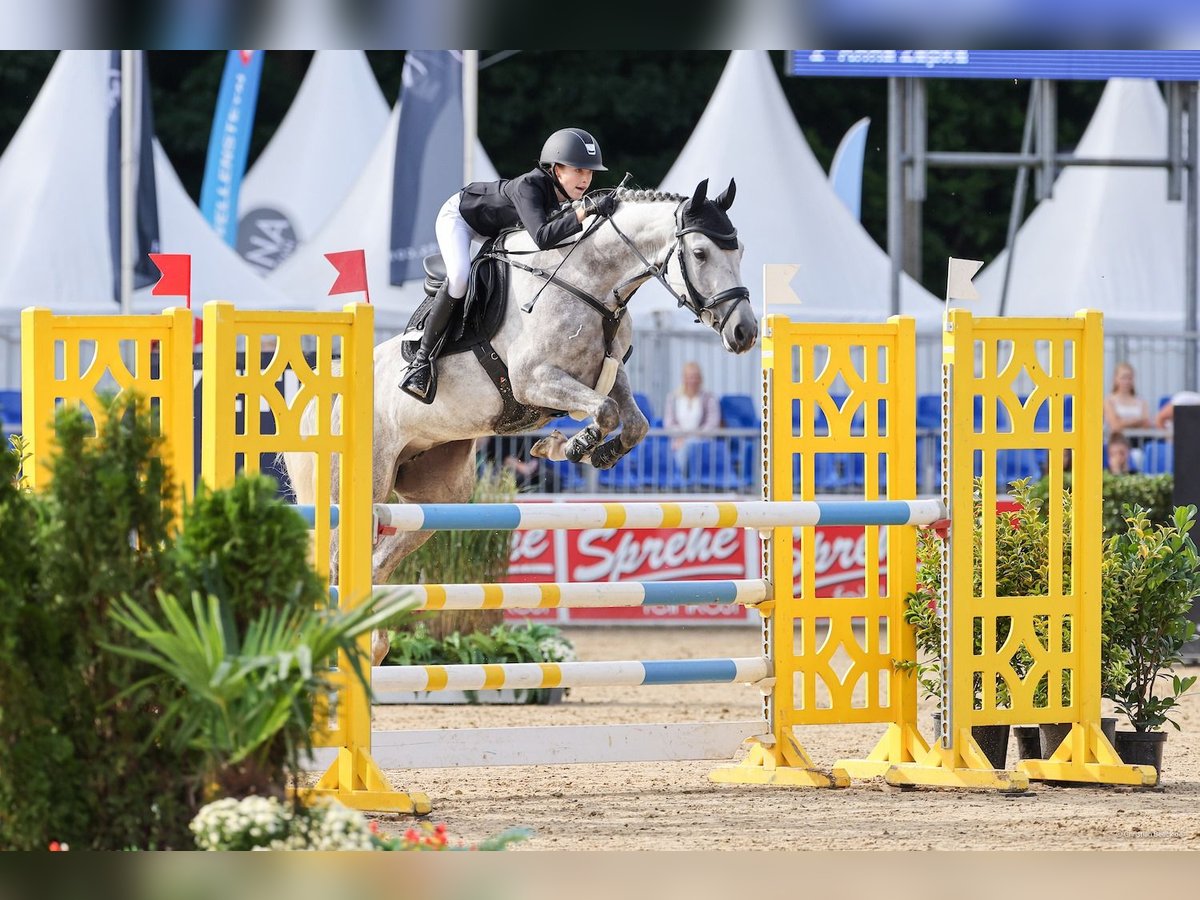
600, 204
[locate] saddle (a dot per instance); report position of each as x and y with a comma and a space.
482, 310
482, 315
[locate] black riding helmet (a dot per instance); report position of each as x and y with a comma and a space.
572, 147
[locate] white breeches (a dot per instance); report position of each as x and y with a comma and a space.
454, 237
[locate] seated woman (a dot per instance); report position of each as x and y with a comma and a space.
1123, 408
690, 408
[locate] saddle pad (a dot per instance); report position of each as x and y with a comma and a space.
483, 309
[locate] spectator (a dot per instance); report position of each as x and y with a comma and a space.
1166, 415
691, 409
1119, 460
1123, 408
512, 452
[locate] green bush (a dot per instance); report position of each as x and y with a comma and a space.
78, 762
1151, 492
119, 711
244, 547
532, 642
1022, 552
1151, 575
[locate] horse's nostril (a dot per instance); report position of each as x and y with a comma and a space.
739, 334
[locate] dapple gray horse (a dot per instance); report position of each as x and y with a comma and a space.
556, 353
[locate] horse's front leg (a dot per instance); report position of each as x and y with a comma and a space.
552, 388
633, 425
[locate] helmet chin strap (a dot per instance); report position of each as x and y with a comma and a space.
557, 184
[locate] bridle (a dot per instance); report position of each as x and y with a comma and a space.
695, 302
719, 306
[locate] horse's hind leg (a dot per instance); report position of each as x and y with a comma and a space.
443, 474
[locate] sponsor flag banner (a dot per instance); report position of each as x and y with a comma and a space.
428, 165
229, 141
145, 192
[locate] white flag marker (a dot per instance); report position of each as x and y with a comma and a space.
958, 279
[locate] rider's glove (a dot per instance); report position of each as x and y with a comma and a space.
600, 204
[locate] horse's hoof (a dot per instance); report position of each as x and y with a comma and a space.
380, 645
607, 455
551, 447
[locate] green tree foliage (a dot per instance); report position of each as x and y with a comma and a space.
242, 546
77, 763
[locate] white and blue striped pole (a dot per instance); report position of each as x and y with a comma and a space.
746, 514
745, 670
571, 595
761, 514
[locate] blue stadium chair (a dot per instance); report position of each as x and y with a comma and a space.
1041, 420
1158, 458
929, 411
643, 403
833, 472
1012, 465
623, 476
929, 440
710, 468
740, 411
10, 412
654, 465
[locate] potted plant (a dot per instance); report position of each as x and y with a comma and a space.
1151, 575
1022, 542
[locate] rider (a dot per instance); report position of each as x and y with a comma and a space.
483, 209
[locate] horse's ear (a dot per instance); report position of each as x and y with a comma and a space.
701, 193
726, 199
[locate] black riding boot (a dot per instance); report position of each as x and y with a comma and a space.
419, 378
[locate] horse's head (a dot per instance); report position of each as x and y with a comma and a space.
707, 274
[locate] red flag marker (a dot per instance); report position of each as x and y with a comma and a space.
351, 267
176, 281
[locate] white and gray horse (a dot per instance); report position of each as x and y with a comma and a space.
556, 353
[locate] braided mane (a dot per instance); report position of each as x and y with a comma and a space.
626, 195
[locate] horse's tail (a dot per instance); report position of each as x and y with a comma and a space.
301, 468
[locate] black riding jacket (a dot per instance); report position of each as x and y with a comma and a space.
531, 201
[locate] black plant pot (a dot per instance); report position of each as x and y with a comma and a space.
1053, 735
1029, 741
1108, 727
1142, 748
992, 740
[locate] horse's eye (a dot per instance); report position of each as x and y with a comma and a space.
699, 254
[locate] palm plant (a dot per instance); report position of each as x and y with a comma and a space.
244, 702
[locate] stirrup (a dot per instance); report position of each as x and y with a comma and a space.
407, 387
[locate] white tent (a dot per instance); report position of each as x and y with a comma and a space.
54, 194
785, 210
315, 155
1108, 239
363, 221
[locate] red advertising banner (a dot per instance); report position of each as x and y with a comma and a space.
673, 554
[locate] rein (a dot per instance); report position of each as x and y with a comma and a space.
693, 301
